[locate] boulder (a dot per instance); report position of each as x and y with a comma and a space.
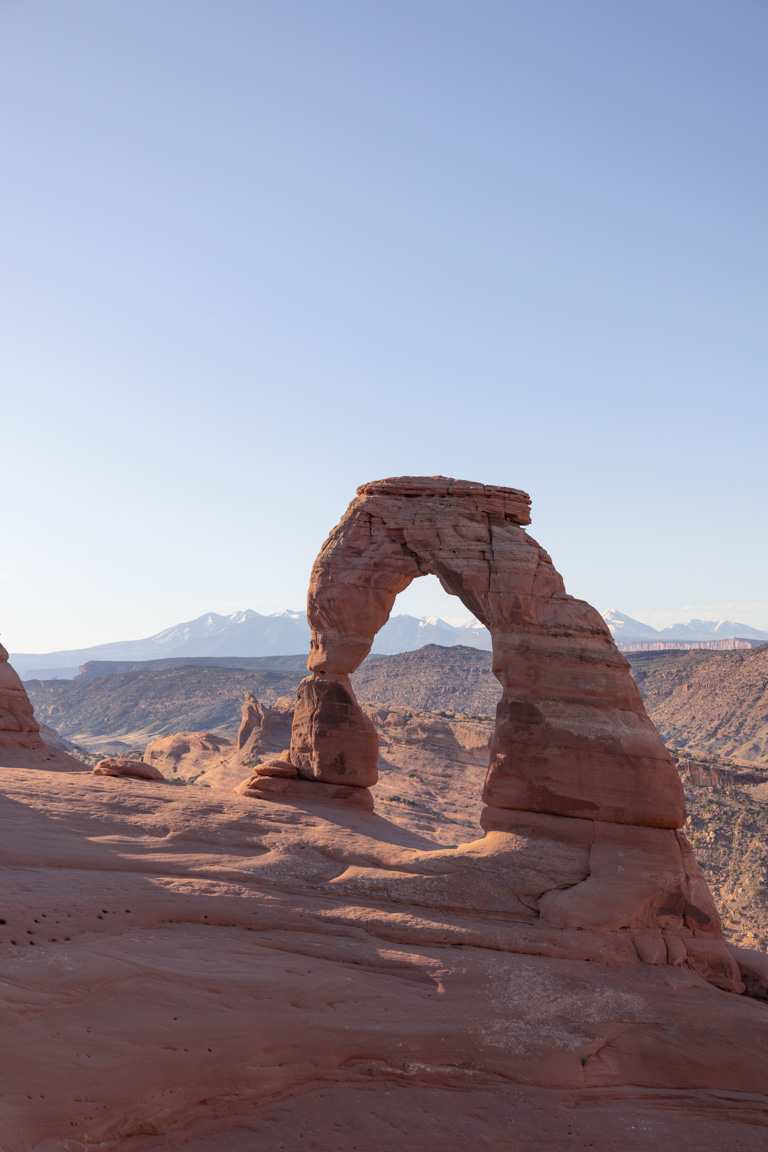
753, 967
276, 768
122, 766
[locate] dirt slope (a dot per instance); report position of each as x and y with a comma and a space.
708, 701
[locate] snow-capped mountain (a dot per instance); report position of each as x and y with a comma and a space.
247, 633
626, 630
286, 633
711, 630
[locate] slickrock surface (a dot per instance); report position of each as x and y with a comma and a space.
199, 970
282, 967
188, 754
431, 767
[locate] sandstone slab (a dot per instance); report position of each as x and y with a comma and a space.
202, 978
122, 766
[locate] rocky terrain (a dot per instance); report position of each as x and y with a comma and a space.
704, 702
431, 766
728, 828
116, 713
122, 711
286, 966
431, 769
708, 701
190, 969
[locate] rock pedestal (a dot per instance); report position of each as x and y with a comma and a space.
332, 739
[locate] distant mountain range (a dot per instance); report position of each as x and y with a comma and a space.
625, 631
249, 634
246, 633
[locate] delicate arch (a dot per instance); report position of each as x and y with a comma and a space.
572, 737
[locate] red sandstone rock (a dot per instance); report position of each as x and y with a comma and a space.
262, 729
18, 727
580, 783
276, 768
120, 766
572, 736
21, 743
754, 971
332, 739
268, 976
296, 791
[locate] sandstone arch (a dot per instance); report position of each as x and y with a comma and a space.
572, 737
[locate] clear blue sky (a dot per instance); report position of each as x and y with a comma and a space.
256, 252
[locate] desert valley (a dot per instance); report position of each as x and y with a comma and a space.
444, 898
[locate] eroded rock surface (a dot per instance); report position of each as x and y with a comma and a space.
575, 766
184, 968
572, 737
123, 766
21, 741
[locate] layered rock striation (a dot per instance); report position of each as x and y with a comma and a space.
572, 736
579, 778
21, 741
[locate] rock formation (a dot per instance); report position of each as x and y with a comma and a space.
123, 766
262, 729
219, 760
18, 727
194, 969
21, 741
577, 773
572, 736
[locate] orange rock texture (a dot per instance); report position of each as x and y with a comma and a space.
578, 773
190, 969
283, 968
21, 744
572, 736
